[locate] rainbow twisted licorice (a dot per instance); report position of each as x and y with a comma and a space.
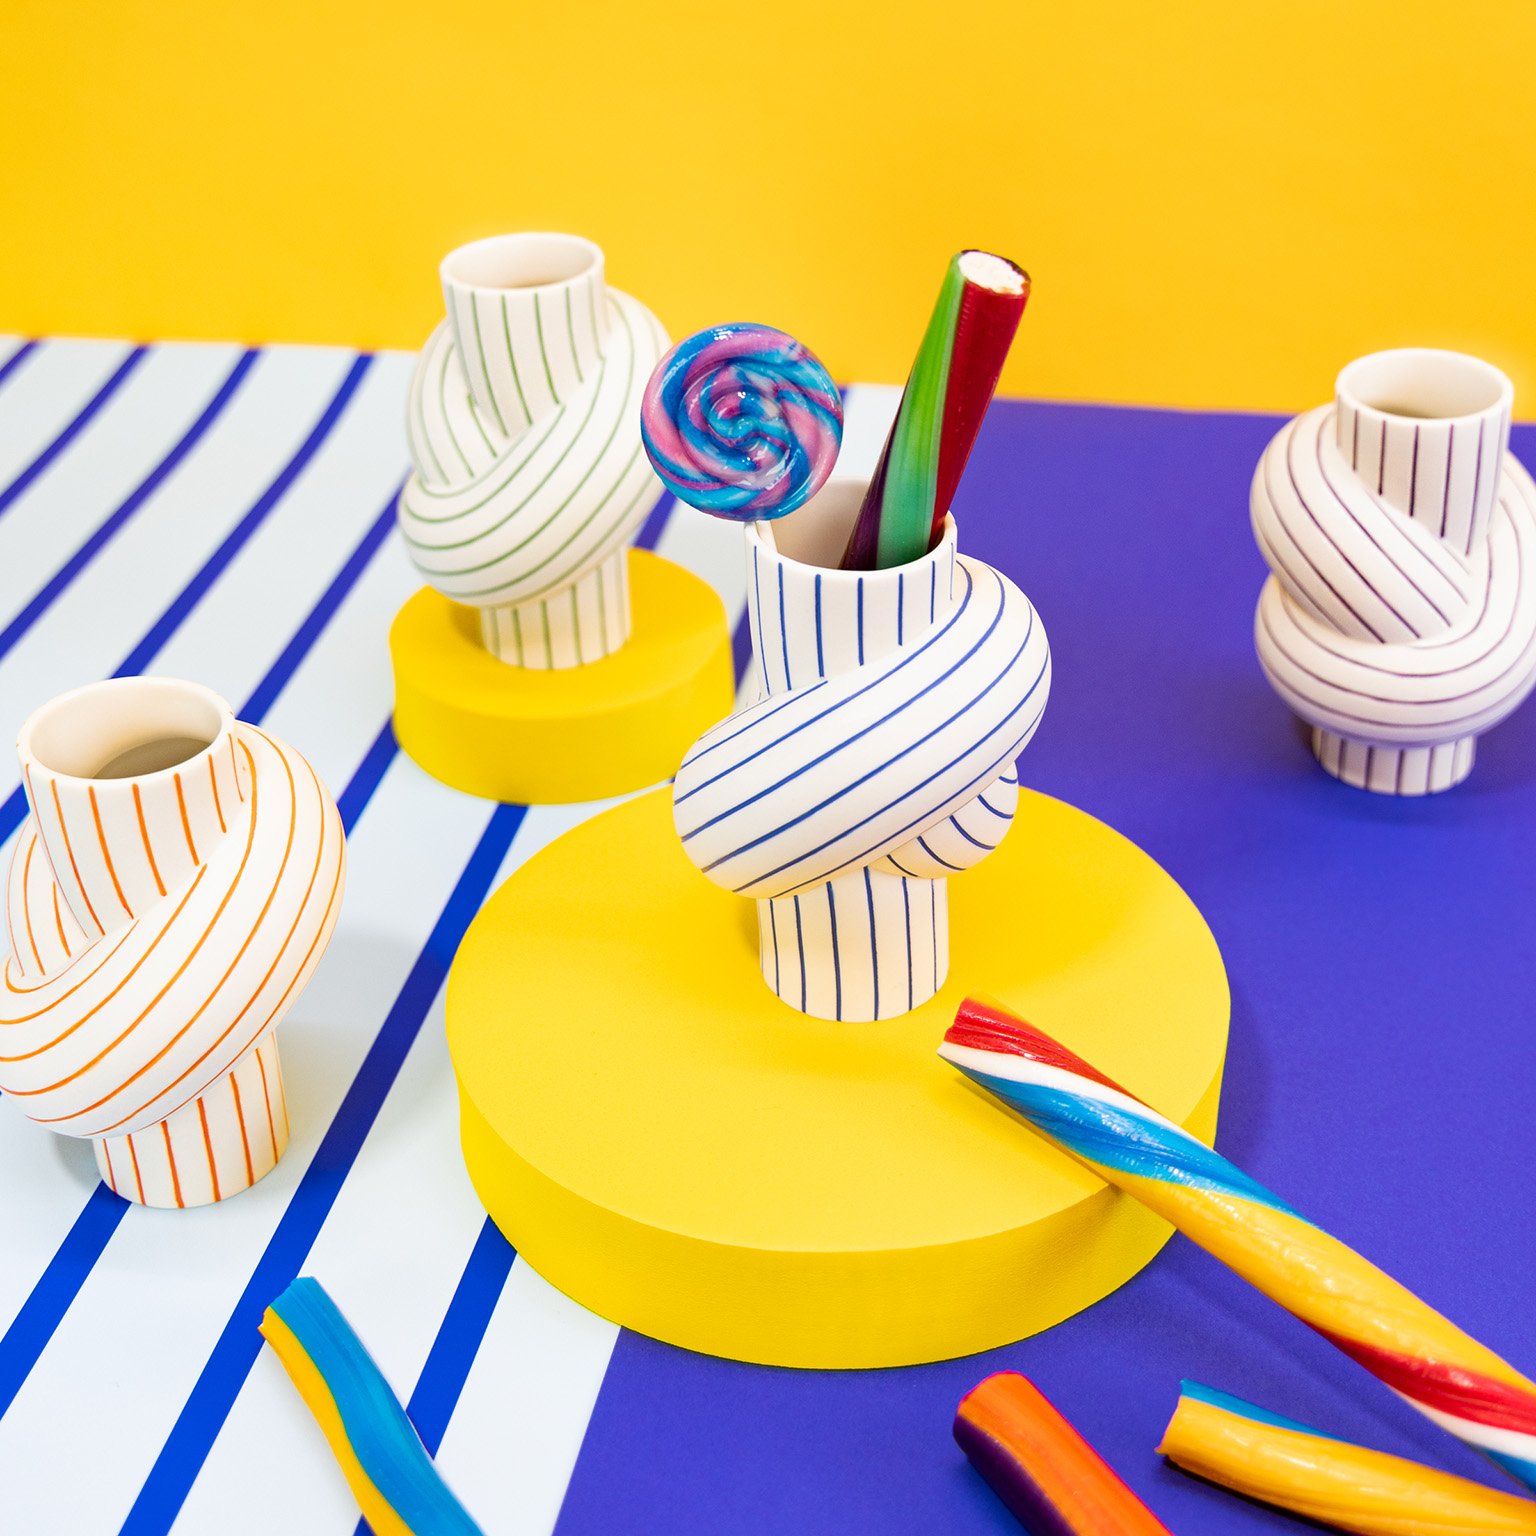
741, 421
981, 302
1426, 1360
1293, 1466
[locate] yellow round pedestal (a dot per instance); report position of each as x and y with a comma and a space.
679, 1151
578, 733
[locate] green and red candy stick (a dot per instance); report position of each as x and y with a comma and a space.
947, 395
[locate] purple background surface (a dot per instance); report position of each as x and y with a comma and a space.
1381, 1066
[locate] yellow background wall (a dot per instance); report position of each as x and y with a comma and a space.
1220, 201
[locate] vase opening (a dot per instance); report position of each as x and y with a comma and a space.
1423, 384
125, 728
505, 262
817, 533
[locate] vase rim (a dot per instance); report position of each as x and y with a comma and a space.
543, 260
97, 723
763, 534
1429, 384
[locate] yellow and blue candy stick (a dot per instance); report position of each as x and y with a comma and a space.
393, 1479
1295, 1467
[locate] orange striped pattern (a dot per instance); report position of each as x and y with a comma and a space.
152, 1032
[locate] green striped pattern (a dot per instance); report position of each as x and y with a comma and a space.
583, 622
530, 480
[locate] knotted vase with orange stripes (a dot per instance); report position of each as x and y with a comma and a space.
169, 896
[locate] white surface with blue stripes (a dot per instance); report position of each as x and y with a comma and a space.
200, 511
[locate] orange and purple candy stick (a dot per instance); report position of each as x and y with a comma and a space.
1050, 1478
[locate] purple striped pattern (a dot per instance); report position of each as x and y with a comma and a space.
1400, 618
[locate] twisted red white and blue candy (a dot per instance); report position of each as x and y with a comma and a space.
1429, 1362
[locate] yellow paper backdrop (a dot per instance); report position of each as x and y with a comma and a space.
1220, 201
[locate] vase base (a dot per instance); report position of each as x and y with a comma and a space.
678, 1150
1403, 771
222, 1142
540, 736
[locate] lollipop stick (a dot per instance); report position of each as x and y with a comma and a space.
1441, 1371
1294, 1467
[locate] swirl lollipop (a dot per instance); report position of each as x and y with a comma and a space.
741, 421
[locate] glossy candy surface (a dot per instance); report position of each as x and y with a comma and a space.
396, 1485
953, 379
1295, 1467
1041, 1467
1428, 1361
741, 421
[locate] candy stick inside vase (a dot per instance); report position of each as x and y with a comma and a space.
1429, 1362
952, 382
1294, 1467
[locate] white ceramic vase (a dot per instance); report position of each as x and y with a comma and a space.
878, 761
172, 891
1400, 618
524, 428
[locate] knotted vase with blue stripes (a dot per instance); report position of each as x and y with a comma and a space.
877, 762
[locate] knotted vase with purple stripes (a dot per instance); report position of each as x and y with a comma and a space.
1399, 621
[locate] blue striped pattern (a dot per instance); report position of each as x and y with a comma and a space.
16, 359
777, 767
179, 1462
28, 1335
889, 701
50, 591
87, 1260
87, 413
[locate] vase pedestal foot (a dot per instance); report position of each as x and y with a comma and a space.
552, 736
677, 1149
222, 1142
1395, 770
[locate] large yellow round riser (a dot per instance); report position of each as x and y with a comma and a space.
679, 1151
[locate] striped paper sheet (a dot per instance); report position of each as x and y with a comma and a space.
227, 515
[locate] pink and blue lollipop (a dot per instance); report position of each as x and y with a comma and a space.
741, 421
